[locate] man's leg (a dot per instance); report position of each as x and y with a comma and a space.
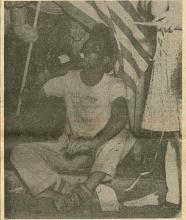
107, 158
111, 153
38, 163
106, 161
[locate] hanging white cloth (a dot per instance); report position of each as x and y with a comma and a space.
162, 110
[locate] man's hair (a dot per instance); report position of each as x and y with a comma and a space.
110, 48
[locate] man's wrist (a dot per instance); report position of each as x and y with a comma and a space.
98, 141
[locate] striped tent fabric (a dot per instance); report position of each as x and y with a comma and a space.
120, 16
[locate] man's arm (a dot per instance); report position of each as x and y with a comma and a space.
118, 120
168, 15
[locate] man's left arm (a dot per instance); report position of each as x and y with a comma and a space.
118, 120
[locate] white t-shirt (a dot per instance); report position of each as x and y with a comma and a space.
88, 107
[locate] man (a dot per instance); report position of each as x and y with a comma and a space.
95, 136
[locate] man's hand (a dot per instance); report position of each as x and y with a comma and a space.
26, 33
80, 146
167, 22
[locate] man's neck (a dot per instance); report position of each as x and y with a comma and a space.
91, 77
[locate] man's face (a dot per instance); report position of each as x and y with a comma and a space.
93, 53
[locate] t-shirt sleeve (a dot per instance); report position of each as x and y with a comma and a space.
55, 87
117, 90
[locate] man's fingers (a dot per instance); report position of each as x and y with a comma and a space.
169, 28
32, 37
172, 28
30, 33
163, 25
74, 147
83, 148
71, 147
160, 17
77, 146
165, 22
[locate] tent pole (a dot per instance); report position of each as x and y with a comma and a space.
27, 61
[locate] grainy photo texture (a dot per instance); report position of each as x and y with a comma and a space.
92, 109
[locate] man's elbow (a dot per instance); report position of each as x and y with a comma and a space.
120, 121
123, 121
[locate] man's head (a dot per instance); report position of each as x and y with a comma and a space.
97, 50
